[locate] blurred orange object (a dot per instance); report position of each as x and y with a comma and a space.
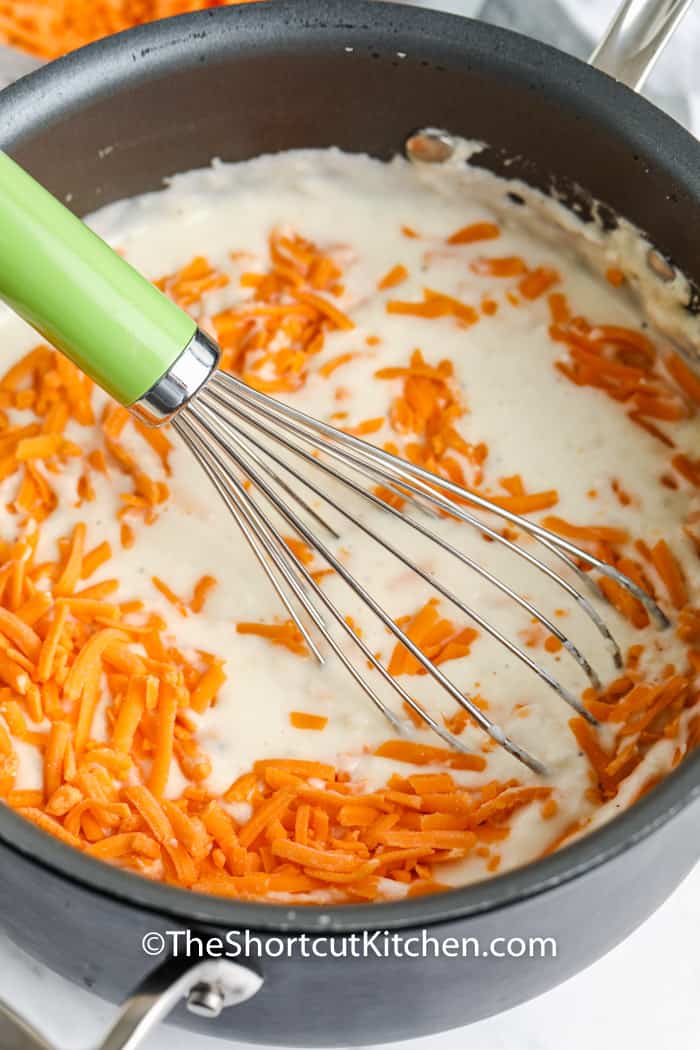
50, 28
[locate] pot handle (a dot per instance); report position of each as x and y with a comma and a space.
208, 987
635, 38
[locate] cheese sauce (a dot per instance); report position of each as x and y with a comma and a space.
513, 402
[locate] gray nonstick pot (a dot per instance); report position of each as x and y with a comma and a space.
113, 120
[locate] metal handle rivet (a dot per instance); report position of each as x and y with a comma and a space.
430, 146
205, 1000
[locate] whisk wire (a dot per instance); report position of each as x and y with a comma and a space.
225, 424
418, 488
189, 430
232, 500
405, 472
239, 411
461, 698
476, 617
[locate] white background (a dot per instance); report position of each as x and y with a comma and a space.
644, 995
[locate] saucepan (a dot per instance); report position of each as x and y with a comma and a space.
115, 119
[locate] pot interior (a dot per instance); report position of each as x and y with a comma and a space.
116, 119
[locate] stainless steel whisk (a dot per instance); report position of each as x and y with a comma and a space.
237, 433
150, 356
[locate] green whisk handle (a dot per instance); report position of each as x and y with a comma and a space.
86, 300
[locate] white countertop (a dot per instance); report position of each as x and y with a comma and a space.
645, 994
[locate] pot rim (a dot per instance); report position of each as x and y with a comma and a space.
90, 73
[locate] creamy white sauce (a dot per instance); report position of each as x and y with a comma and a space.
534, 422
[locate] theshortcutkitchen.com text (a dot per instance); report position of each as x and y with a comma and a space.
380, 944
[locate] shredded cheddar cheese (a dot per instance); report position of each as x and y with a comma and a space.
50, 28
